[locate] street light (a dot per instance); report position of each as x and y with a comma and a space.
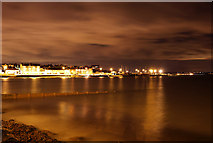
160, 71
151, 70
111, 69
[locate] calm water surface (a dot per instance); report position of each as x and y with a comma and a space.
144, 108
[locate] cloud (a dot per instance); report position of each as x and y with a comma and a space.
98, 45
83, 33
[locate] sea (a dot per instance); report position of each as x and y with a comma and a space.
140, 108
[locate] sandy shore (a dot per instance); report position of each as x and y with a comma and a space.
13, 131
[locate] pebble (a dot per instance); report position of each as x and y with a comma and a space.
13, 131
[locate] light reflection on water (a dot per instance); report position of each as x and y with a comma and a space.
155, 108
154, 111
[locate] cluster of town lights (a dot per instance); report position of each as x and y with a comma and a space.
62, 70
155, 71
33, 70
151, 71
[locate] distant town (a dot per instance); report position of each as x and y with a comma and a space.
64, 71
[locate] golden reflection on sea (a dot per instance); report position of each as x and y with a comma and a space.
154, 111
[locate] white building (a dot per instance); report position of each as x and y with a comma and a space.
29, 69
12, 72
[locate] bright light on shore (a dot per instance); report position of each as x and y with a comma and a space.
151, 70
111, 69
137, 70
4, 78
33, 77
101, 69
120, 70
160, 71
155, 71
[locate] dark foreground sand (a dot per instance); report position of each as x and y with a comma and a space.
13, 131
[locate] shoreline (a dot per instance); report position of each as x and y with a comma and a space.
13, 131
36, 95
76, 77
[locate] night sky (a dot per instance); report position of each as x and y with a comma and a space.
173, 36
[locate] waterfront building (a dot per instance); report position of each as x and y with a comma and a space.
57, 72
12, 71
30, 69
86, 71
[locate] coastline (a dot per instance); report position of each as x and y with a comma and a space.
36, 95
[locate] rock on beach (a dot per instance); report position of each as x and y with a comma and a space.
13, 131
